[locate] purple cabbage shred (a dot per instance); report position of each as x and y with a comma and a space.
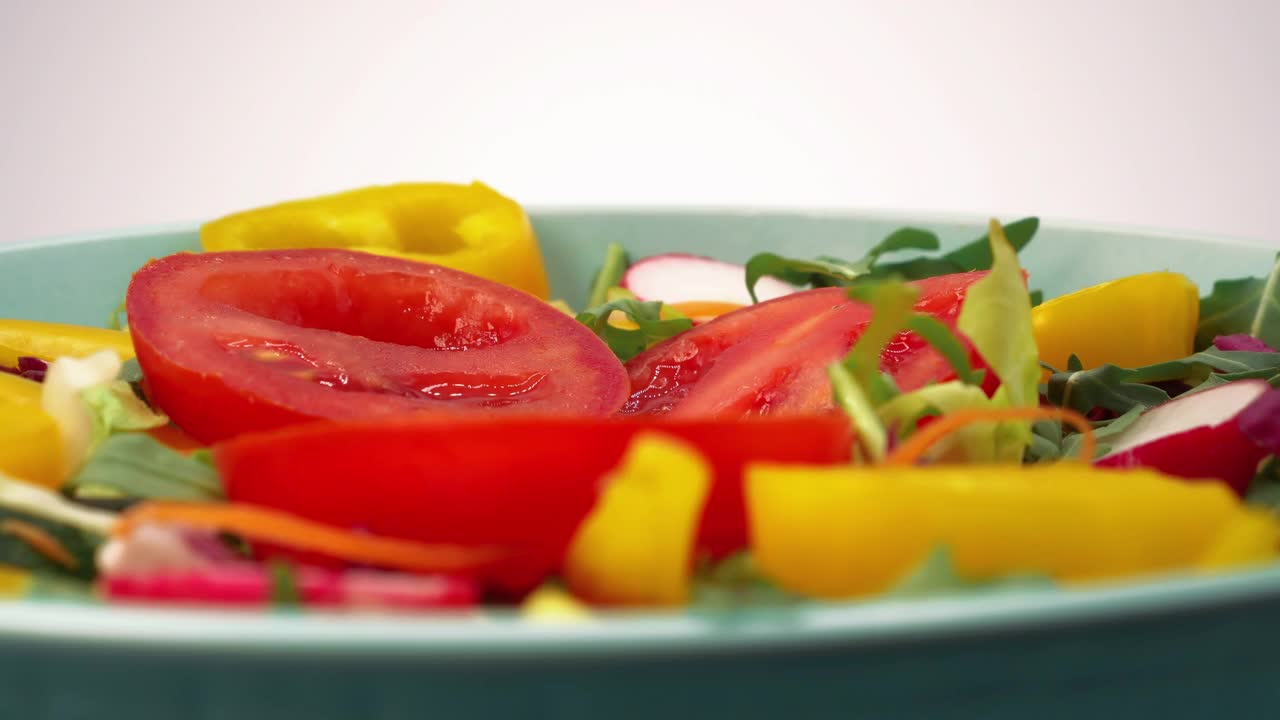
31, 368
1260, 422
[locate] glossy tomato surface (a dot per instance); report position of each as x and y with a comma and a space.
241, 341
771, 358
518, 483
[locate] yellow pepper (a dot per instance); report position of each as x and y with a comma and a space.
14, 581
30, 442
49, 341
856, 531
467, 227
635, 547
1134, 321
553, 604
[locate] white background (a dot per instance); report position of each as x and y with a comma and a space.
1139, 112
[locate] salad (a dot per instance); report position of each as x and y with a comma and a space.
371, 401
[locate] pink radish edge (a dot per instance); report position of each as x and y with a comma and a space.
1198, 437
681, 277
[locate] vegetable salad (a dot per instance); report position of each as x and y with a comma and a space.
370, 401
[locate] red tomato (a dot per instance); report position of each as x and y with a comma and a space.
240, 341
519, 483
771, 358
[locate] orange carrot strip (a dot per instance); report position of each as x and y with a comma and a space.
277, 528
910, 452
41, 541
704, 308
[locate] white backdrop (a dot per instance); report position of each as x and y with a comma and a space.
1143, 112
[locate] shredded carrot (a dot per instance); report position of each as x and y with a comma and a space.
278, 528
910, 452
41, 541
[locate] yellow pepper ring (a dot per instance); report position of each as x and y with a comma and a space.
472, 228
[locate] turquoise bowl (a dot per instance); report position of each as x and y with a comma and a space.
1170, 646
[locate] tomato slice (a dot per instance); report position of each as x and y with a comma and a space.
771, 358
521, 483
239, 341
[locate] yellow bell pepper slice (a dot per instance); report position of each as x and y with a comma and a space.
30, 442
857, 531
50, 341
635, 548
471, 228
1131, 322
553, 604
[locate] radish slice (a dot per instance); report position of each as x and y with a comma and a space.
680, 277
1196, 436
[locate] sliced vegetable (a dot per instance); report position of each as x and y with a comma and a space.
681, 277
772, 358
1200, 436
237, 342
50, 341
636, 546
443, 481
1134, 321
62, 397
466, 227
31, 442
854, 531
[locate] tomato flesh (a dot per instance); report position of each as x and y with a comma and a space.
243, 341
771, 358
520, 483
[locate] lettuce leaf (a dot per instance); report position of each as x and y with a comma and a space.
853, 400
135, 465
996, 317
973, 443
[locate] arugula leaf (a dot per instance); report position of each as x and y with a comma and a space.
137, 465
609, 275
1119, 389
627, 343
937, 576
894, 304
828, 271
1264, 491
735, 582
948, 346
977, 254
1102, 431
1248, 306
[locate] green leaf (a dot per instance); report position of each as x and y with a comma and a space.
137, 465
996, 317
1249, 306
284, 584
937, 576
893, 304
1037, 297
977, 254
975, 443
79, 544
627, 343
948, 345
115, 407
130, 371
827, 271
1118, 389
852, 399
1102, 431
609, 275
113, 320
1264, 491
735, 582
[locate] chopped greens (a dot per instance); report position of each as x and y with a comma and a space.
937, 576
1244, 306
608, 276
650, 326
138, 466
